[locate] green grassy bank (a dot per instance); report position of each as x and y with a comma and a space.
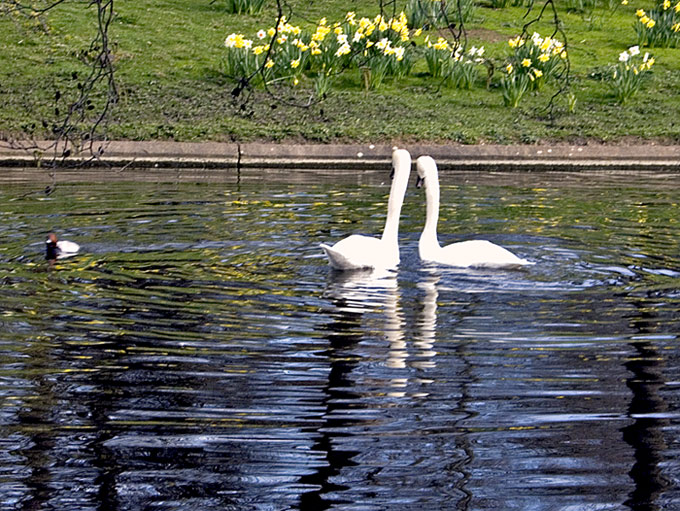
170, 72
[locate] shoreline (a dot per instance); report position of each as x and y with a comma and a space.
354, 157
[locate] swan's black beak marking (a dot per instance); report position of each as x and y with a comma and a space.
420, 181
392, 173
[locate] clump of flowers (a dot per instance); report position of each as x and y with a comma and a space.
378, 46
659, 27
532, 63
628, 75
451, 62
240, 60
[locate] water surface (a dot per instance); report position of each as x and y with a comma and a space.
200, 354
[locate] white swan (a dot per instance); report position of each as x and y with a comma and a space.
466, 254
360, 252
55, 249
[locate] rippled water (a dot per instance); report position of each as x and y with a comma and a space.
199, 353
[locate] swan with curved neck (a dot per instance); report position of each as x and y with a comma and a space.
466, 254
360, 252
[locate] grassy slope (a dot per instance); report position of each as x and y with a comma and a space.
169, 56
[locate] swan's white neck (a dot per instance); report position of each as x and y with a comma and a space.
428, 238
402, 170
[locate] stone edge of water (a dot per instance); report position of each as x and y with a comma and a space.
354, 157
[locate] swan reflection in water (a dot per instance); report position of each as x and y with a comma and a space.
374, 298
427, 323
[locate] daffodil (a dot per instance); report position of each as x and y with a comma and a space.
261, 34
343, 50
666, 4
526, 63
544, 57
640, 13
651, 23
269, 64
294, 64
634, 50
509, 69
515, 42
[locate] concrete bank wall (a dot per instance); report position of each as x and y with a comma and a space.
214, 155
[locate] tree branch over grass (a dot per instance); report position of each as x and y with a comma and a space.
563, 79
79, 127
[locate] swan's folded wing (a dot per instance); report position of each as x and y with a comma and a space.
480, 254
359, 252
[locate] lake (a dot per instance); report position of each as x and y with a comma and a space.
199, 353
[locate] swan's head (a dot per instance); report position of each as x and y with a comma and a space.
51, 239
426, 167
401, 161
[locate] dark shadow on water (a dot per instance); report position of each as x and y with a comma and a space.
647, 407
351, 295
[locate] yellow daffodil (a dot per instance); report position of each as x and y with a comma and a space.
537, 73
526, 63
295, 63
640, 13
509, 68
651, 23
666, 4
644, 19
295, 81
544, 57
418, 32
343, 50
271, 32
624, 2
515, 42
269, 64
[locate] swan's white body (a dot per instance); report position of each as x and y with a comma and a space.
59, 249
364, 252
466, 254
